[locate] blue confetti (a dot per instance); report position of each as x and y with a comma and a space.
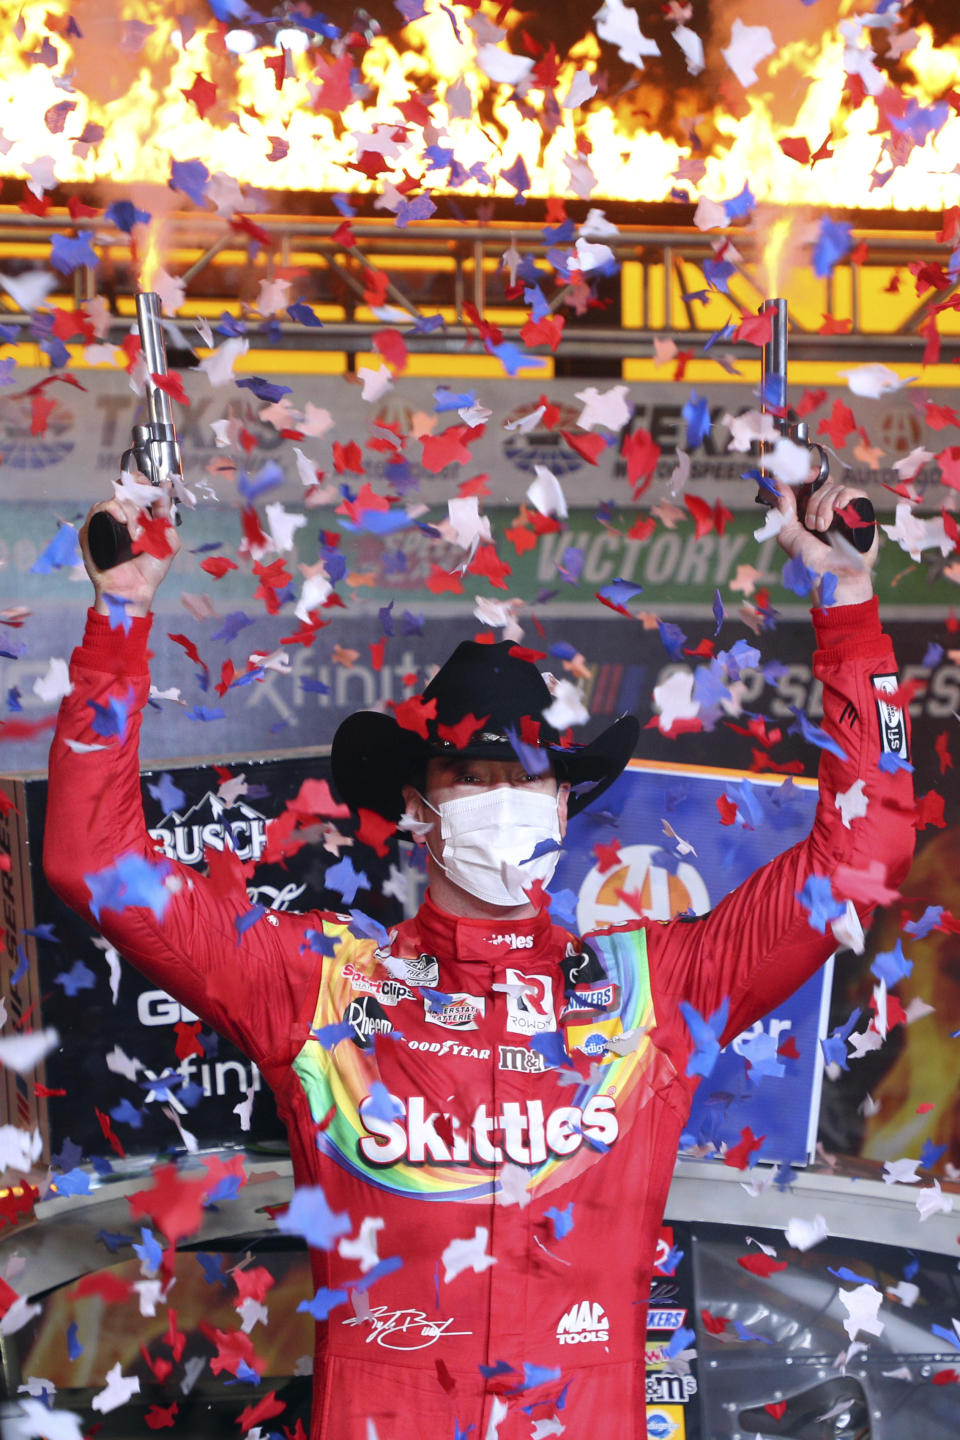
191, 178
834, 241
323, 1302
78, 977
549, 1044
561, 1220
309, 1215
891, 966
818, 899
343, 878
132, 880
696, 413
705, 1036
168, 795
63, 553
70, 252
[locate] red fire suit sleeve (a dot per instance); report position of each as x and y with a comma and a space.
255, 986
757, 945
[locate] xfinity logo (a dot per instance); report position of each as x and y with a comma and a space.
584, 1323
520, 1131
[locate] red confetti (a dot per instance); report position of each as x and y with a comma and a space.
374, 831
487, 562
760, 1264
188, 1043
159, 1419
172, 385
105, 1284
154, 537
738, 1156
108, 1133
714, 1324
449, 447
728, 810
264, 1409
776, 1408
941, 748
588, 445
796, 147
392, 346
174, 1204
440, 581
217, 566
755, 329
202, 94
641, 455
789, 1049
839, 426
462, 732
607, 854
414, 713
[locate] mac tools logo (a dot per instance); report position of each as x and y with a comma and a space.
585, 1323
184, 836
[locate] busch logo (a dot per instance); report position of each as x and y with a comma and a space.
516, 942
584, 1323
518, 1131
184, 837
893, 724
367, 1018
529, 1003
458, 1013
388, 992
519, 1058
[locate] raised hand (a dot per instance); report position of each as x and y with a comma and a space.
136, 580
853, 571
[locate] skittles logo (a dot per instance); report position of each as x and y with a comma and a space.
653, 891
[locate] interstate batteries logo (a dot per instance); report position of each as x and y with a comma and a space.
585, 1323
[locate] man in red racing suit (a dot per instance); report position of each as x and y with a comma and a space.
513, 1202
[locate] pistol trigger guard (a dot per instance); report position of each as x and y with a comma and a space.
823, 474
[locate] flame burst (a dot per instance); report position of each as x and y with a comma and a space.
295, 122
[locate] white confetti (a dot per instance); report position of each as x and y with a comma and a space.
116, 1392
862, 1306
749, 44
23, 1052
467, 1254
852, 803
804, 1234
52, 686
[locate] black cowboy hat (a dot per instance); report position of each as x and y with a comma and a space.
373, 756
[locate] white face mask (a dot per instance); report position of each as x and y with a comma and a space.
488, 839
